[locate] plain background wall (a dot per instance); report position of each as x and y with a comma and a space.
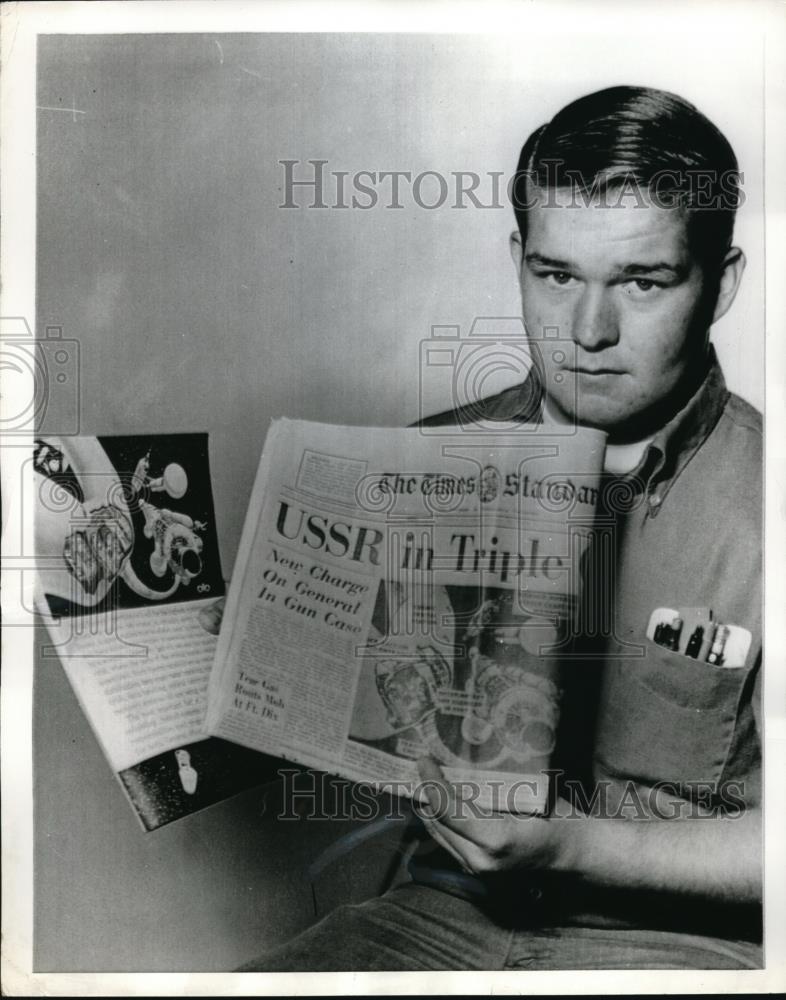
199, 304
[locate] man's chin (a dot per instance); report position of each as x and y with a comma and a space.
616, 421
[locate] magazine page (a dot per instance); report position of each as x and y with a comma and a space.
398, 595
127, 562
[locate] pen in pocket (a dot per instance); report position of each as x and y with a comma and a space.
695, 642
715, 655
697, 635
667, 635
706, 642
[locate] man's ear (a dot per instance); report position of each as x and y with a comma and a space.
516, 251
731, 275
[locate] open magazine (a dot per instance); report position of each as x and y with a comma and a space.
395, 594
398, 594
127, 560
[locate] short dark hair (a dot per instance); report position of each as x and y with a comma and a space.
650, 138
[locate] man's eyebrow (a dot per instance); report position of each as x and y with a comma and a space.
538, 258
678, 270
628, 270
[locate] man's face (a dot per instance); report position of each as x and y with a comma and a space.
621, 286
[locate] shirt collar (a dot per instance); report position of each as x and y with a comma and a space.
678, 440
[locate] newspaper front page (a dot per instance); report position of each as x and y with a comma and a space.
399, 595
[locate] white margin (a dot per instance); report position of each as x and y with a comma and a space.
19, 25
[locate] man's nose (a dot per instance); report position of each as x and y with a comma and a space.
595, 323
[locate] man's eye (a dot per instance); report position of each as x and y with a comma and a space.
642, 285
559, 277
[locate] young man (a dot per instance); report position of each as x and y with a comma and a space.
625, 205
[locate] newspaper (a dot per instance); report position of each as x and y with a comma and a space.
399, 594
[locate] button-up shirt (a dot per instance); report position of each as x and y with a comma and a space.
644, 725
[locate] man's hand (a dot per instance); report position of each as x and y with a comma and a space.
491, 842
210, 617
714, 857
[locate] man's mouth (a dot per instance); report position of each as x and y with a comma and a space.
596, 371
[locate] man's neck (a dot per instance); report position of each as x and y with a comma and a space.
623, 458
619, 459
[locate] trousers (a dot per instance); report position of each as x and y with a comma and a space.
419, 928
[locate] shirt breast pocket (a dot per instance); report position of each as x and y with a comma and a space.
667, 717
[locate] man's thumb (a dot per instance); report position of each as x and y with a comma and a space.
211, 616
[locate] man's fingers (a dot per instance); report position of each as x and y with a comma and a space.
429, 770
455, 823
446, 807
210, 617
449, 810
438, 792
453, 843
